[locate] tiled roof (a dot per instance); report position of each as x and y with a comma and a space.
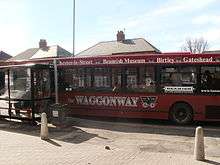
4, 56
36, 53
52, 51
114, 47
27, 54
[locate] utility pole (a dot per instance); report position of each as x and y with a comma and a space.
74, 13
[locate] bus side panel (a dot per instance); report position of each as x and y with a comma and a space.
113, 105
154, 106
199, 104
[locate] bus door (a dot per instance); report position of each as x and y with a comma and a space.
25, 92
41, 90
15, 100
3, 93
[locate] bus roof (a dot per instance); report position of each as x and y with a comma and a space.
28, 65
134, 59
127, 59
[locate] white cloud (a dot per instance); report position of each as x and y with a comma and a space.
14, 38
182, 6
163, 24
153, 22
207, 19
170, 8
14, 34
83, 45
120, 3
213, 38
212, 34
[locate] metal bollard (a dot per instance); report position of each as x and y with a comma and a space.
199, 152
44, 127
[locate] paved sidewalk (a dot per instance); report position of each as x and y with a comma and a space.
20, 144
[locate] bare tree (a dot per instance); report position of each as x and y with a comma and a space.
197, 45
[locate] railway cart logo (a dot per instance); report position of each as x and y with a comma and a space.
149, 101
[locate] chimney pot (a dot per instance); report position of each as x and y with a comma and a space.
120, 36
43, 44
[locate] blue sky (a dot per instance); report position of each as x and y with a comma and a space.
164, 23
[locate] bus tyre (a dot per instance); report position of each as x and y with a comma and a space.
181, 113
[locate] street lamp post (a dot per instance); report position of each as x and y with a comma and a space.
74, 13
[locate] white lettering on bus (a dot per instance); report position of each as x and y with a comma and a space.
79, 99
211, 90
117, 61
92, 100
170, 60
132, 61
178, 89
121, 101
112, 101
199, 59
165, 60
83, 62
80, 62
134, 100
184, 59
107, 101
85, 101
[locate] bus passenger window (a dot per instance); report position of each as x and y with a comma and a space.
176, 79
210, 79
184, 76
149, 79
2, 82
102, 78
116, 79
131, 77
141, 79
71, 79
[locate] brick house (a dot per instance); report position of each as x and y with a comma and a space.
42, 52
120, 46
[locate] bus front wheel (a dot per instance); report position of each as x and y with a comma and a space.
181, 113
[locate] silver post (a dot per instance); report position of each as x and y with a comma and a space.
44, 127
55, 81
199, 152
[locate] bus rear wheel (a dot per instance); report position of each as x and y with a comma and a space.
181, 113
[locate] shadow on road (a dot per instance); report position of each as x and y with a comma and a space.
73, 133
211, 129
211, 162
69, 134
53, 142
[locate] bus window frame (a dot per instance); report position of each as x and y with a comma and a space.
123, 86
159, 78
200, 84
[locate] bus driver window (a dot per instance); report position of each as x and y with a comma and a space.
210, 78
207, 80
